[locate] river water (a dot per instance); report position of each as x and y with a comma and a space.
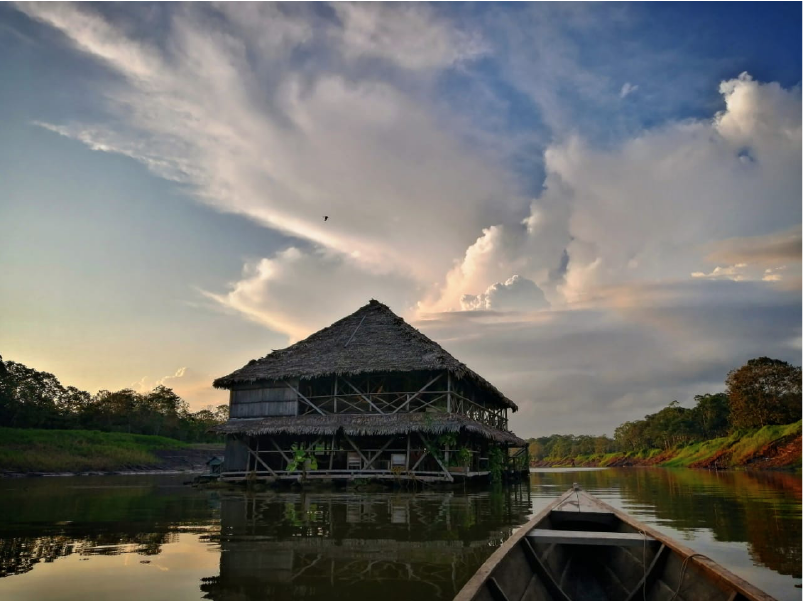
150, 537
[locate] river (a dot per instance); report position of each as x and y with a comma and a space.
150, 537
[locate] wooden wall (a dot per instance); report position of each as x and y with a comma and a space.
264, 402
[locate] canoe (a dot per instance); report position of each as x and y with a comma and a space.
580, 548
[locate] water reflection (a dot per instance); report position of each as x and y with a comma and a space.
47, 519
149, 537
397, 546
762, 509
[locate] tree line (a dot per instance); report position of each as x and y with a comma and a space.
35, 399
760, 393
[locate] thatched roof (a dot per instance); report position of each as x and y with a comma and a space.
366, 425
371, 340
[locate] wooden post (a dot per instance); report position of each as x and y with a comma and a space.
335, 409
438, 461
356, 448
448, 392
407, 459
332, 453
278, 448
258, 459
379, 452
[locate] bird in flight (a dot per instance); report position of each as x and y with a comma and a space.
326, 217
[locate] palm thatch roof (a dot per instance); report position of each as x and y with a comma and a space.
373, 339
366, 425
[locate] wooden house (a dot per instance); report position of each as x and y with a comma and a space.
367, 397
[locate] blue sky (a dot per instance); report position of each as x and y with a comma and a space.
597, 206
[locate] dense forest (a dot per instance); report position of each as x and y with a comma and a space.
760, 393
34, 399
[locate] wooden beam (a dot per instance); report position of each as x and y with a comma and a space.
259, 459
342, 400
412, 398
367, 400
435, 457
379, 452
543, 574
571, 537
640, 590
496, 591
286, 458
305, 399
356, 448
420, 459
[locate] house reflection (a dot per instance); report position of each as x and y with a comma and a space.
359, 546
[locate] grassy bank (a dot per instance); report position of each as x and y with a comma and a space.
78, 450
769, 447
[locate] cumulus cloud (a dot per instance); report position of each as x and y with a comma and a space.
514, 294
620, 269
639, 348
297, 292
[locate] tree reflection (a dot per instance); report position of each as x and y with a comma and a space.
761, 509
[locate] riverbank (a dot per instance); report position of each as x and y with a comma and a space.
40, 452
771, 447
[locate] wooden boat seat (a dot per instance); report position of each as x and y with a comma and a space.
573, 537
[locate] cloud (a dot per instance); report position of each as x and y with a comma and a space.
627, 89
642, 270
359, 148
732, 272
514, 294
297, 292
410, 35
586, 370
767, 250
145, 384
191, 385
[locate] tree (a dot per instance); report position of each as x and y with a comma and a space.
711, 414
762, 392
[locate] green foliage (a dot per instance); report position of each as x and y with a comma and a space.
496, 464
78, 450
569, 445
464, 456
764, 392
303, 455
35, 399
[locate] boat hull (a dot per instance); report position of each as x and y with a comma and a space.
580, 548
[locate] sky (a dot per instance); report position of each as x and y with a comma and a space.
595, 206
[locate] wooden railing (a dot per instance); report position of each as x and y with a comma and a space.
389, 403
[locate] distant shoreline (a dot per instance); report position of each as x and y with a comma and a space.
770, 448
59, 453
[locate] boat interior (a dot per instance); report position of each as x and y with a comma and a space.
579, 551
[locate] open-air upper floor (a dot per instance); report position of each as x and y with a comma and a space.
435, 392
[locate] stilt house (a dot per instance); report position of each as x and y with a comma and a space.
367, 397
